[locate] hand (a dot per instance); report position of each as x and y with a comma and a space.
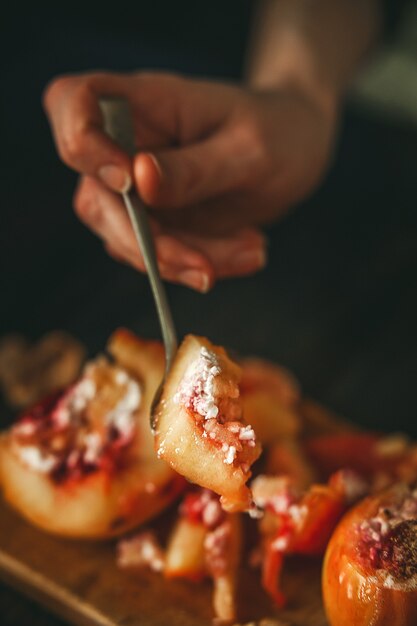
214, 161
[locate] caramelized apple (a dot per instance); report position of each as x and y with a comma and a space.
381, 459
296, 521
270, 398
207, 541
223, 551
199, 428
370, 567
82, 463
199, 513
185, 557
286, 457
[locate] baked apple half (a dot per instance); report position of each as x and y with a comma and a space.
199, 428
370, 567
82, 462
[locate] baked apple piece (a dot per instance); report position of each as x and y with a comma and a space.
298, 522
286, 457
198, 423
381, 459
270, 398
207, 541
82, 463
370, 567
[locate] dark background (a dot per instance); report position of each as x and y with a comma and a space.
338, 301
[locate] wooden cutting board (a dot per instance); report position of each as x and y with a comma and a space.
80, 582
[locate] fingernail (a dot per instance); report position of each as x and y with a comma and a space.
255, 258
195, 279
115, 177
155, 161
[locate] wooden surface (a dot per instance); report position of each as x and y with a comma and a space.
337, 303
81, 583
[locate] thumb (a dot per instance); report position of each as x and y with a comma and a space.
179, 177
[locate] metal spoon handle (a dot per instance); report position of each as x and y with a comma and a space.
140, 223
119, 126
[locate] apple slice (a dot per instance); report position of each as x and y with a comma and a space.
200, 512
207, 541
185, 556
82, 463
223, 551
198, 421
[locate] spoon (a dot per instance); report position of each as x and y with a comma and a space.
118, 124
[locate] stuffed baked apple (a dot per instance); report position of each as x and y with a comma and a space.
198, 422
370, 568
82, 463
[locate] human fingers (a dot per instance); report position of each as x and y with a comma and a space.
241, 253
72, 106
179, 177
104, 213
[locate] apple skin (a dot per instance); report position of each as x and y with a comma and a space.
354, 594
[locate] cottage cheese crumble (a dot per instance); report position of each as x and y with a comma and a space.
141, 550
63, 437
122, 417
388, 541
213, 399
36, 459
197, 390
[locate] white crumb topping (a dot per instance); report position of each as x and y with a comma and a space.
298, 513
388, 517
82, 394
93, 447
390, 582
71, 413
122, 378
281, 543
33, 457
197, 388
247, 434
216, 402
230, 455
255, 512
274, 492
74, 402
142, 550
354, 486
212, 513
122, 416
